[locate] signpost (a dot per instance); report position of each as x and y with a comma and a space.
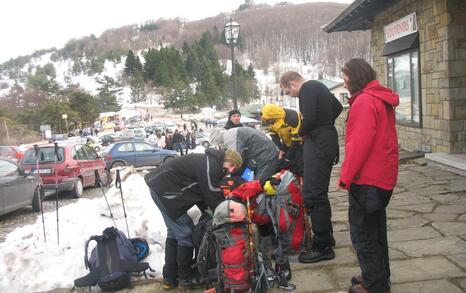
65, 116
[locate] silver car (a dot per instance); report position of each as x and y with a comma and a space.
17, 189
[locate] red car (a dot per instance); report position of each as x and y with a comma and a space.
76, 167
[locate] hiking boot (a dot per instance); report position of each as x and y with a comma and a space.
359, 288
168, 284
356, 280
316, 254
191, 283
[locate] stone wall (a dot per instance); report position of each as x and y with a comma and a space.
442, 30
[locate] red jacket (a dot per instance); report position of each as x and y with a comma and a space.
371, 144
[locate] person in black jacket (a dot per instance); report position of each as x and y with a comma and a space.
175, 187
319, 108
177, 142
234, 118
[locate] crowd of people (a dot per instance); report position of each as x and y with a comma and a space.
306, 143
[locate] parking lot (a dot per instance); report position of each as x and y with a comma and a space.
25, 216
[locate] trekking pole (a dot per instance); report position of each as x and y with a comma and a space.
118, 185
36, 151
99, 182
56, 191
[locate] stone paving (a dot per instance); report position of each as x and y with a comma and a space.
426, 231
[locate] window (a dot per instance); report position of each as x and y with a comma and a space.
8, 169
126, 147
79, 153
91, 154
403, 78
143, 147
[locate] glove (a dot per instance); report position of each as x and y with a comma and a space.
269, 189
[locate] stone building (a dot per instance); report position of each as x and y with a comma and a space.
418, 48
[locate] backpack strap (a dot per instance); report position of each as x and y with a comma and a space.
134, 266
86, 246
90, 279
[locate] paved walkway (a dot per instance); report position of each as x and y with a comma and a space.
427, 238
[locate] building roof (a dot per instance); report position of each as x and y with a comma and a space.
359, 15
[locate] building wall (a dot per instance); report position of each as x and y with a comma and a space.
442, 49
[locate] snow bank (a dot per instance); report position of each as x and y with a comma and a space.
27, 264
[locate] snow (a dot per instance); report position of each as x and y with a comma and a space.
27, 264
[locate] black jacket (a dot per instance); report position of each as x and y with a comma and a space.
177, 138
318, 106
189, 180
230, 125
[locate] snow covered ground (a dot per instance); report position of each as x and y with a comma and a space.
27, 264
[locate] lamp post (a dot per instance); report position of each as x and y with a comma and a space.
231, 37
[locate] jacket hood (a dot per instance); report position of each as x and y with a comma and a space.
374, 89
216, 136
217, 155
271, 111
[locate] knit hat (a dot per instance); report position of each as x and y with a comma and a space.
233, 112
233, 157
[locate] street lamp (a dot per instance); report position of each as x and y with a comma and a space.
231, 36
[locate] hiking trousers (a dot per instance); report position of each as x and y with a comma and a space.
320, 152
181, 229
368, 229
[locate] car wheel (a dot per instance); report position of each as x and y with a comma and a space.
97, 148
78, 189
118, 164
206, 144
38, 195
166, 159
105, 178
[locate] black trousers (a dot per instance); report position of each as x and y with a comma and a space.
368, 229
320, 151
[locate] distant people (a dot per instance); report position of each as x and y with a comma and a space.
185, 127
193, 140
369, 172
96, 132
169, 141
193, 125
319, 108
91, 131
178, 142
283, 127
152, 139
234, 119
160, 140
188, 141
80, 132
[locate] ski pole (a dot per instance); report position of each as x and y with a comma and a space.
56, 191
118, 185
36, 151
99, 182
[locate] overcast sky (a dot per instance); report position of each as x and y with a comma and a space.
29, 25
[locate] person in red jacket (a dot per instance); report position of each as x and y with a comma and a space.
369, 172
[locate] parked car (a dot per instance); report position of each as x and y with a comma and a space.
170, 126
75, 167
202, 138
109, 139
14, 153
18, 190
58, 137
139, 134
135, 153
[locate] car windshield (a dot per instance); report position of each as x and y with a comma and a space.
107, 150
6, 168
46, 155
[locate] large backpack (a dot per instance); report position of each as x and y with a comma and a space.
286, 210
112, 261
230, 240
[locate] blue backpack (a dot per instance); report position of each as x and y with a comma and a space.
113, 260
